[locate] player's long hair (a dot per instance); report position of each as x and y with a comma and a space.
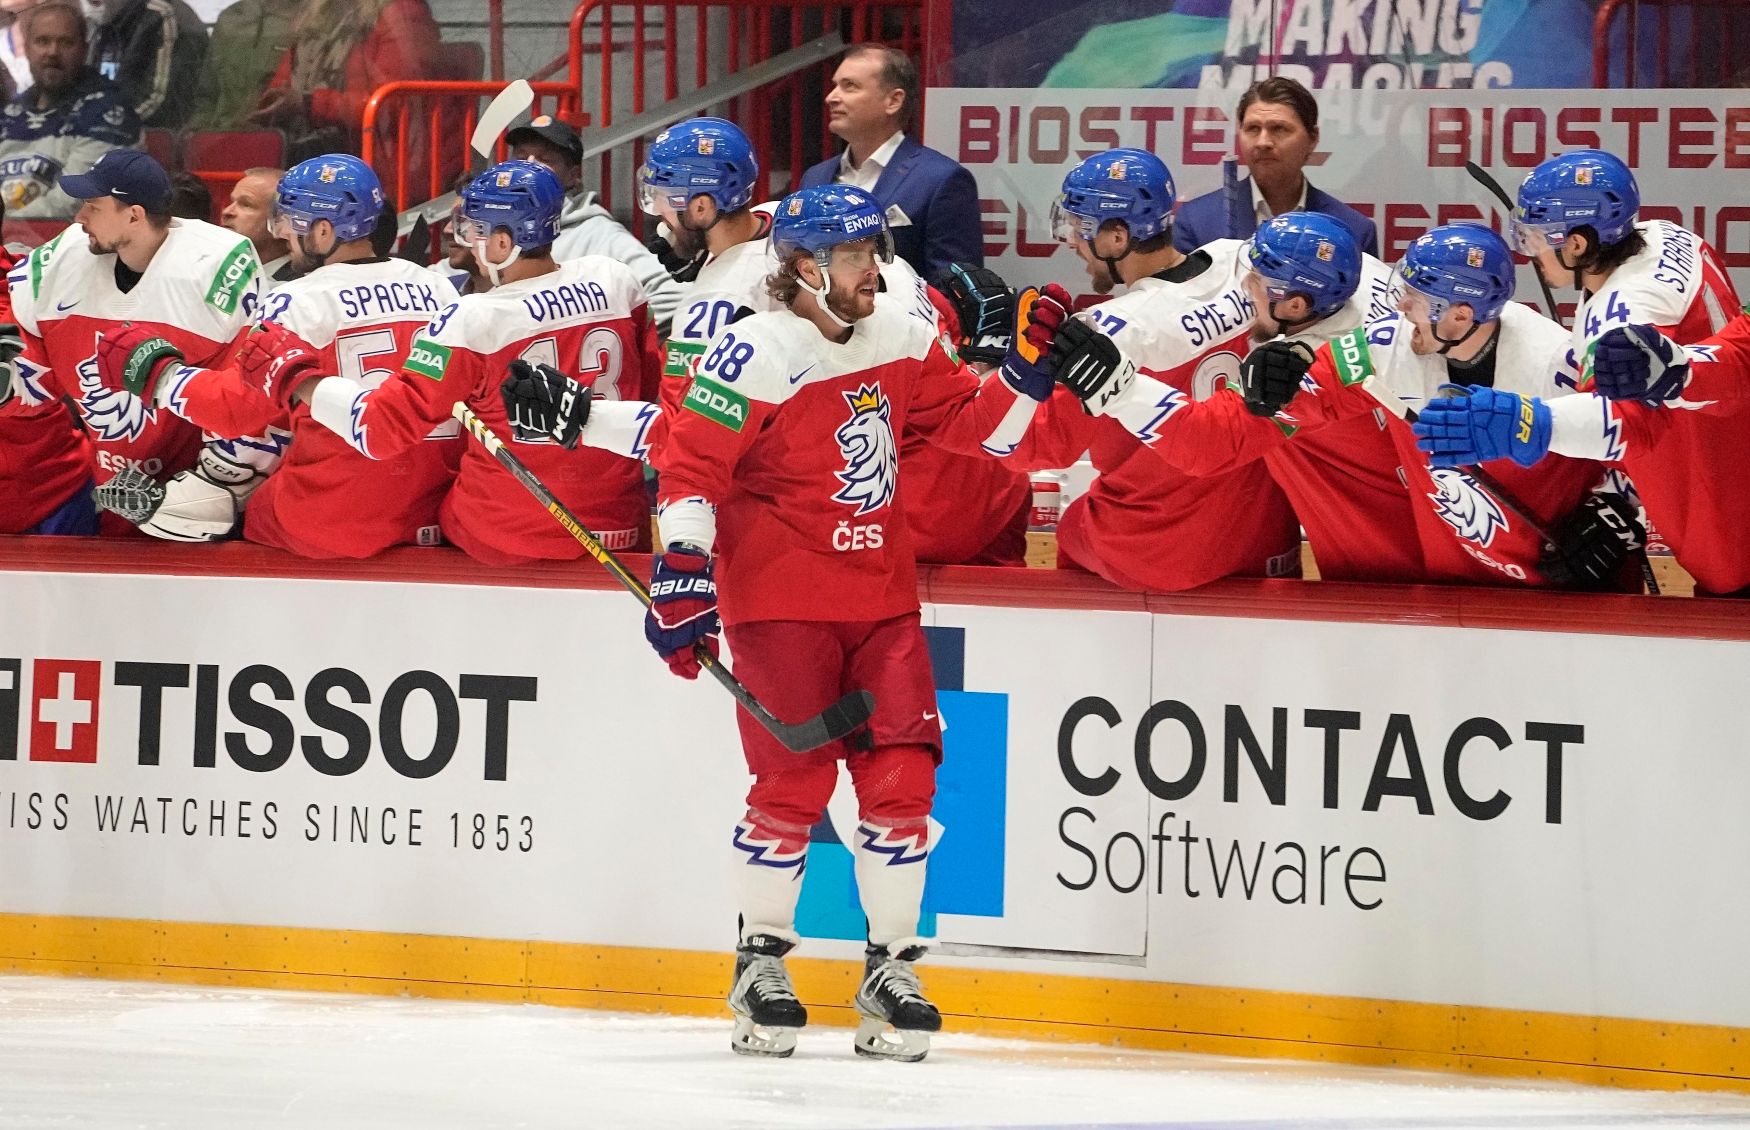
783, 283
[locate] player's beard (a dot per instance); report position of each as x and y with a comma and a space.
1104, 283
687, 242
98, 247
851, 306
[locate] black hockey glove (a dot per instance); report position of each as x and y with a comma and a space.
1271, 374
1592, 543
1089, 364
681, 270
985, 305
544, 405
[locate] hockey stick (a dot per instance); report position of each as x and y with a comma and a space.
1482, 177
506, 107
1493, 485
835, 722
1232, 198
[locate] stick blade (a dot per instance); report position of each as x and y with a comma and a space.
832, 724
509, 105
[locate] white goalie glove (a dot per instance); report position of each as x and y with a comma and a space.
203, 503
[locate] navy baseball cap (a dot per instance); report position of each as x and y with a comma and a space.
550, 130
129, 175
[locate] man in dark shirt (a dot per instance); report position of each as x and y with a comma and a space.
156, 51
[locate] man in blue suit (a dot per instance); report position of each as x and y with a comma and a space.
931, 200
1279, 129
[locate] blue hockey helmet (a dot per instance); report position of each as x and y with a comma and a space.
1132, 185
520, 196
336, 187
818, 219
1585, 187
1460, 263
699, 157
1306, 253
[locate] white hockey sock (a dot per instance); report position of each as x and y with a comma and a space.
768, 858
890, 865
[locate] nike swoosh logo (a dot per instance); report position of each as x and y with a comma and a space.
62, 308
928, 716
803, 373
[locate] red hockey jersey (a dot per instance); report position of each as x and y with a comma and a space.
1342, 477
784, 456
1692, 468
326, 499
587, 319
44, 458
1158, 528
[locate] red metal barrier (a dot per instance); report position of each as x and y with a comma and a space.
611, 43
416, 133
1716, 31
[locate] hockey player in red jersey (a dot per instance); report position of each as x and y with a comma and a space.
1577, 213
355, 314
45, 462
1311, 283
586, 318
127, 260
699, 179
1187, 320
1459, 332
782, 465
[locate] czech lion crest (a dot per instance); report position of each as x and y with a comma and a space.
871, 471
112, 416
1462, 505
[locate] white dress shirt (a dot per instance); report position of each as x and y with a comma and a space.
1261, 208
865, 175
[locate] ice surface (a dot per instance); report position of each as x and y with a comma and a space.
99, 1053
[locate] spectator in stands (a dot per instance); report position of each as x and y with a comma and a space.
15, 78
1279, 129
248, 41
342, 50
69, 117
250, 214
931, 200
585, 227
190, 198
156, 51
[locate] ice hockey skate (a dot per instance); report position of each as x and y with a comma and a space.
897, 1019
767, 1013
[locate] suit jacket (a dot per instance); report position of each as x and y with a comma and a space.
937, 195
1205, 218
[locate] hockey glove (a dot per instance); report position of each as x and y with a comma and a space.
1592, 543
1270, 375
276, 361
130, 359
1038, 316
985, 307
683, 609
1476, 425
680, 270
200, 504
544, 405
1639, 363
1089, 364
